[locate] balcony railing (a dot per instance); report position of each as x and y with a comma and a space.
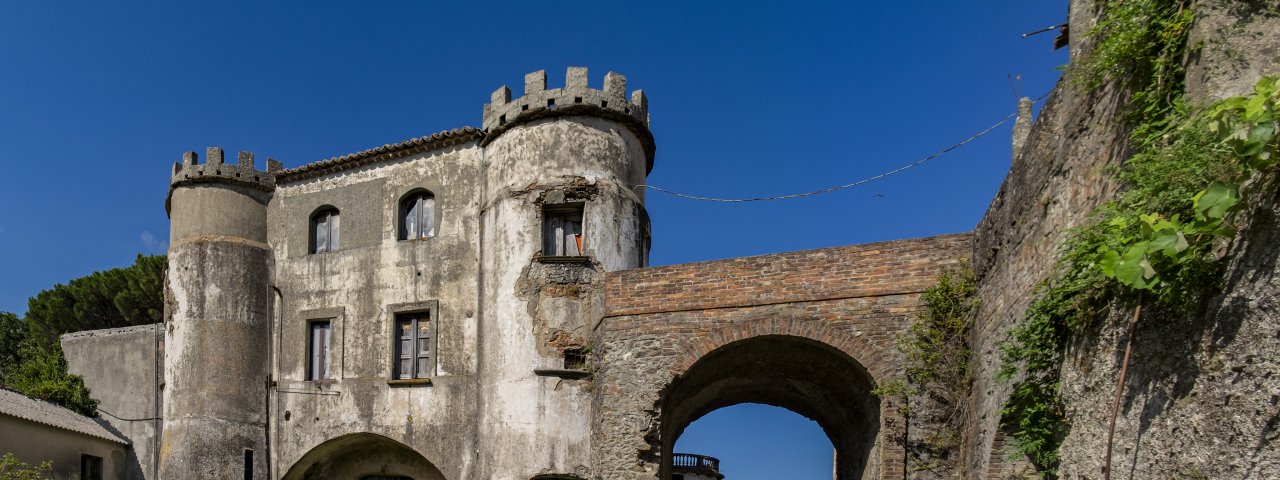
688, 462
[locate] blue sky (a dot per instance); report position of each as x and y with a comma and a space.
747, 98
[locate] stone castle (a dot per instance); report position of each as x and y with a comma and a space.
477, 304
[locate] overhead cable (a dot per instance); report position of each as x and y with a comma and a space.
901, 169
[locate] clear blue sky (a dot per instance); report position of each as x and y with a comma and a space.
97, 99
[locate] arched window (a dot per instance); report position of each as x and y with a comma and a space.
324, 231
418, 216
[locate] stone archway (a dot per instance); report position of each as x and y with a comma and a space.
362, 455
806, 376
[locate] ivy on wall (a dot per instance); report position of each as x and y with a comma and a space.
1154, 245
936, 360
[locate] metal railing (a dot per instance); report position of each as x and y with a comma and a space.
689, 462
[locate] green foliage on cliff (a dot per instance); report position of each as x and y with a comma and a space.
1141, 45
31, 358
1155, 242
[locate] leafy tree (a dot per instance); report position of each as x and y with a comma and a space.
119, 297
13, 469
31, 357
12, 333
42, 374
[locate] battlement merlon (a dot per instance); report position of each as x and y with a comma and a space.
214, 170
576, 98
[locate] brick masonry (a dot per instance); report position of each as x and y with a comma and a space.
661, 321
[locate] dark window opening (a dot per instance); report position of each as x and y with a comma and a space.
418, 216
318, 348
324, 231
413, 346
248, 464
562, 231
575, 359
90, 467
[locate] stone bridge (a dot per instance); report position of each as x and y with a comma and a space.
810, 331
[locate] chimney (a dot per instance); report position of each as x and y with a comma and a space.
1021, 126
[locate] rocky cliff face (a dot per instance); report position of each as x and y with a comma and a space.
1203, 398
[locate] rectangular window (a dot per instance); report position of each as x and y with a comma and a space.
90, 467
562, 231
318, 350
413, 346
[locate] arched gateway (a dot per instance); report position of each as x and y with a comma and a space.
802, 375
362, 456
810, 331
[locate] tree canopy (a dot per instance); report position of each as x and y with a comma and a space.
31, 358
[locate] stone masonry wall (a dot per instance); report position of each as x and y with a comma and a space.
1201, 400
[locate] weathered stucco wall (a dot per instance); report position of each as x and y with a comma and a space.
35, 443
360, 288
535, 308
1201, 399
499, 403
122, 367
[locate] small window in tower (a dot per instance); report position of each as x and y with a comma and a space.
318, 344
324, 231
413, 337
90, 467
562, 230
418, 216
575, 359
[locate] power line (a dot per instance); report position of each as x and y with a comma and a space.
901, 169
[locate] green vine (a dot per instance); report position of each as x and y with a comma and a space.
1155, 240
1140, 44
936, 357
1154, 244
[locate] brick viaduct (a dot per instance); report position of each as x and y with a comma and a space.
811, 331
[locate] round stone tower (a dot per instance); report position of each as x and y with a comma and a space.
218, 319
559, 209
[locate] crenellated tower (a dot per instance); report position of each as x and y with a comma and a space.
217, 319
560, 208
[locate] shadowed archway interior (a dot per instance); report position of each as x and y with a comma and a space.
362, 456
802, 375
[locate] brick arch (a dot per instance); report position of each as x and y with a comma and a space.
845, 304
880, 362
805, 367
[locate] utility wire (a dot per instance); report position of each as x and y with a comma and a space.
128, 419
901, 169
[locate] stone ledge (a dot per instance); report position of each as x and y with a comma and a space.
562, 373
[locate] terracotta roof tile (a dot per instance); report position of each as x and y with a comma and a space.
435, 141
